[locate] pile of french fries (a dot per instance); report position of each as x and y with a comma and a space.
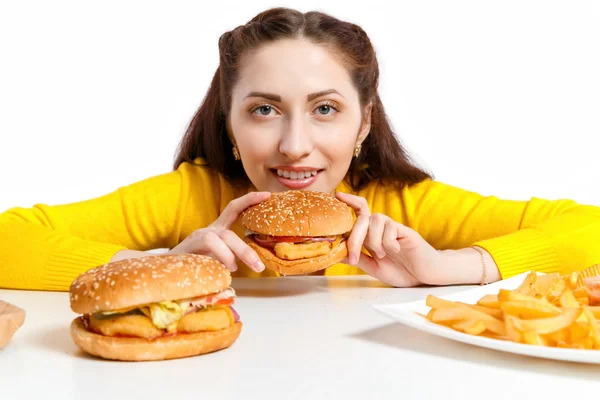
545, 310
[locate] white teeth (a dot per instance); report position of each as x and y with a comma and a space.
296, 174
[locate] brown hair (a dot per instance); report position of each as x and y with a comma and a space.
382, 157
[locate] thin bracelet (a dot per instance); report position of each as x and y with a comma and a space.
484, 272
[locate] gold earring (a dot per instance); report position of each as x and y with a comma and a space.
236, 153
357, 150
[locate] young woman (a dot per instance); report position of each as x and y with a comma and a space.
294, 105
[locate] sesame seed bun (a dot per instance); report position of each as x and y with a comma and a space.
138, 281
302, 266
299, 213
163, 348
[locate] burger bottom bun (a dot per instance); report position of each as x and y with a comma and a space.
299, 267
164, 348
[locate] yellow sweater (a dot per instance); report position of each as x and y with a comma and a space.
46, 247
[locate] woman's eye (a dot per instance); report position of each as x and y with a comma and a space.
263, 110
326, 109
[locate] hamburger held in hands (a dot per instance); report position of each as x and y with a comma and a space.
298, 231
154, 308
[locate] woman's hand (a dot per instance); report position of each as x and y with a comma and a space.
400, 256
221, 243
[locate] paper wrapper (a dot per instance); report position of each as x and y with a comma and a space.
589, 274
11, 319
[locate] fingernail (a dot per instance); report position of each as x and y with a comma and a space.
259, 266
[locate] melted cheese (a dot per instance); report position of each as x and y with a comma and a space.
292, 251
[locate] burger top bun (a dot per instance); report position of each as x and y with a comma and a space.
137, 281
299, 213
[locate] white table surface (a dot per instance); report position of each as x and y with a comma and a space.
303, 338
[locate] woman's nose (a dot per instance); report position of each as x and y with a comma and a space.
296, 140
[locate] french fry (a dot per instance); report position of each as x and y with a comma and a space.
531, 337
593, 325
490, 311
580, 292
567, 299
549, 325
429, 315
560, 335
470, 326
508, 295
490, 301
579, 331
545, 310
511, 331
573, 280
595, 310
525, 309
436, 302
462, 312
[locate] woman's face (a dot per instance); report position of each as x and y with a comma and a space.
295, 117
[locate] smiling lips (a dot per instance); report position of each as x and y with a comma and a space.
296, 178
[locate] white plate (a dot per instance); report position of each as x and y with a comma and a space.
413, 314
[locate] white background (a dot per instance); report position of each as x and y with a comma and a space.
498, 97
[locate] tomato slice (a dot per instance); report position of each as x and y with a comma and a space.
225, 302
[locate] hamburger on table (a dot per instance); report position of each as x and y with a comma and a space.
154, 308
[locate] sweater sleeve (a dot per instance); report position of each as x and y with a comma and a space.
45, 247
537, 234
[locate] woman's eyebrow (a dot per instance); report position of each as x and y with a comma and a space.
313, 96
277, 98
268, 96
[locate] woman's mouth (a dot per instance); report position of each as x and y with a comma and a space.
296, 179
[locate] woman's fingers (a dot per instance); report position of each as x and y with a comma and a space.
374, 239
395, 276
233, 210
390, 237
242, 250
361, 225
211, 244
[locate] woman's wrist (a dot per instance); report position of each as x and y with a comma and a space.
469, 266
126, 254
